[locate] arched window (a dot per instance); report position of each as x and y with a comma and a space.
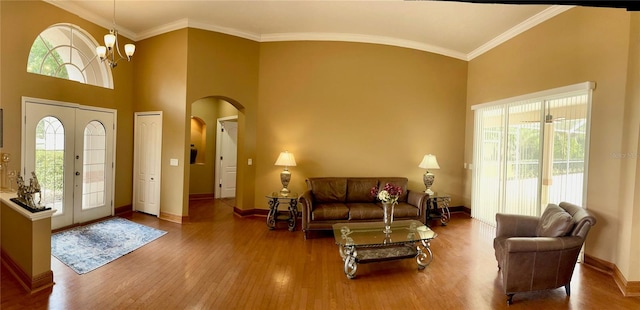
68, 52
94, 165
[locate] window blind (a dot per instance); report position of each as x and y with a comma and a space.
529, 151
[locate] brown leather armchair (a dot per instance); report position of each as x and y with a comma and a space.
540, 253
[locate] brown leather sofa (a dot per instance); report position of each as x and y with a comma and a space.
540, 253
343, 199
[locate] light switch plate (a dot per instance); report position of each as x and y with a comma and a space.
249, 161
173, 162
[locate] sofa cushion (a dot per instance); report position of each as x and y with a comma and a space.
330, 211
328, 190
402, 182
403, 210
365, 211
359, 189
554, 222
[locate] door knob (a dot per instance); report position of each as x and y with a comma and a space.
77, 172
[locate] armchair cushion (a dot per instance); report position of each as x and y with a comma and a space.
554, 222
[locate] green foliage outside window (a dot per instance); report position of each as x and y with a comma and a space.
43, 59
49, 169
524, 150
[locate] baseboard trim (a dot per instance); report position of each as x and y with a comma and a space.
201, 196
30, 284
460, 209
173, 217
123, 210
254, 212
627, 288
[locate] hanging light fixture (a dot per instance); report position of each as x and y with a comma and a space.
108, 51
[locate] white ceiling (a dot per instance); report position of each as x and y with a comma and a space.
455, 29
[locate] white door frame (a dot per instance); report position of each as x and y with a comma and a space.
77, 209
218, 168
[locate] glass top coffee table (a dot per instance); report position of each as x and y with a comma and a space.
361, 243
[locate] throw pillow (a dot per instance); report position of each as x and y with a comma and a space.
554, 222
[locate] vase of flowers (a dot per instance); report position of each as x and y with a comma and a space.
388, 196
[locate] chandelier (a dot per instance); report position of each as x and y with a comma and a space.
107, 53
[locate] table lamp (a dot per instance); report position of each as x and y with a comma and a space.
429, 162
287, 160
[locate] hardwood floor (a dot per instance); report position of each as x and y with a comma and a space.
222, 261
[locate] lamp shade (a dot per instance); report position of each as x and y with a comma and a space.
101, 51
429, 162
109, 40
129, 49
286, 159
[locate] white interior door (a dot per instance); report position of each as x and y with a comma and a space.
229, 158
55, 149
147, 159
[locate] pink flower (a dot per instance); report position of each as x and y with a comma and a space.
389, 193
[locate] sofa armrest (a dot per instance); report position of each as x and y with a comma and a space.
513, 225
418, 200
306, 201
542, 244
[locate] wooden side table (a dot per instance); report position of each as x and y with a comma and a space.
274, 216
438, 208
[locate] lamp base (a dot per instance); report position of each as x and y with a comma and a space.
428, 179
285, 192
285, 177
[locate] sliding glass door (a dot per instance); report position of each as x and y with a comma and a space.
530, 151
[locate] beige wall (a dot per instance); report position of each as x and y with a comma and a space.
351, 109
226, 67
583, 44
160, 85
21, 22
629, 213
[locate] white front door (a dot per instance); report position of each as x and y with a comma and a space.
147, 155
93, 163
229, 160
70, 149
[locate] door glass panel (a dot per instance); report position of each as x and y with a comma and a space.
49, 167
93, 165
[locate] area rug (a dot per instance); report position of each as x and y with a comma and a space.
86, 248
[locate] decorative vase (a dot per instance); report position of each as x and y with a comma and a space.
387, 208
194, 154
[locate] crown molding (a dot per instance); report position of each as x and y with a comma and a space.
315, 36
348, 37
187, 23
518, 29
91, 17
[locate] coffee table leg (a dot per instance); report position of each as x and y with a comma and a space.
350, 264
424, 256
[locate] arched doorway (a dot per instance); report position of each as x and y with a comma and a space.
205, 179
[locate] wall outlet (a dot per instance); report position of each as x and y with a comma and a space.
249, 161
